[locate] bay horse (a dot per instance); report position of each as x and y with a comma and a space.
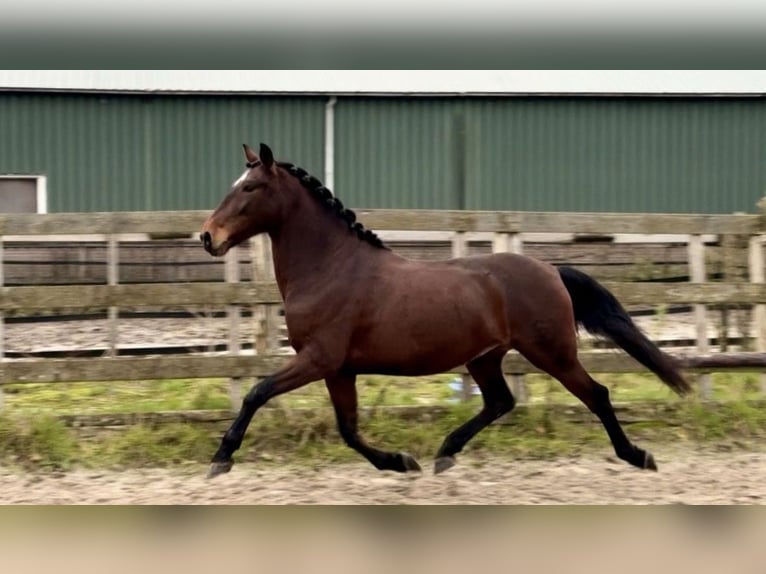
352, 307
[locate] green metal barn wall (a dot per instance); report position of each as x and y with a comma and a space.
126, 152
396, 153
552, 153
104, 153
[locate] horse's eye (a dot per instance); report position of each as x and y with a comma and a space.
252, 186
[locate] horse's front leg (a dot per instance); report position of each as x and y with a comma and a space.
342, 389
300, 371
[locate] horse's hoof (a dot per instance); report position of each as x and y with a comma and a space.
443, 463
217, 468
649, 463
409, 463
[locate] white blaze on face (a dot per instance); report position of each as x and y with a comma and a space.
240, 179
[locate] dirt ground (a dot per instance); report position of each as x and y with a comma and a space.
203, 331
684, 478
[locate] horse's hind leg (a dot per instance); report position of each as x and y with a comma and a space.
595, 396
498, 400
342, 389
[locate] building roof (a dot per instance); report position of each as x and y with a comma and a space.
425, 82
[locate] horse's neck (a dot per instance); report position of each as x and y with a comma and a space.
308, 251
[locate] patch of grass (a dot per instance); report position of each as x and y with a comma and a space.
719, 422
117, 396
536, 432
161, 446
376, 390
629, 387
310, 438
208, 394
31, 436
201, 394
42, 442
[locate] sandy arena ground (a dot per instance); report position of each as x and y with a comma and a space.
684, 478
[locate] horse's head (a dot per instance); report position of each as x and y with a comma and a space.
252, 206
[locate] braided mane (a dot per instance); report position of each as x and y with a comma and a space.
325, 196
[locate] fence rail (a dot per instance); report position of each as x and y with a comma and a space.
84, 297
506, 232
244, 366
180, 223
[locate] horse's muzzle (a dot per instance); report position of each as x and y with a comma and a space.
214, 250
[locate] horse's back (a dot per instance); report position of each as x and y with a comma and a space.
536, 299
512, 269
421, 317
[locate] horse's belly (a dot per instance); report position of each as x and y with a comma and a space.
408, 355
431, 323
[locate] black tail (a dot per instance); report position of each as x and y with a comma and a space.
596, 309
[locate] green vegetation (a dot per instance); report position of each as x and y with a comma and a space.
213, 394
42, 442
300, 428
116, 396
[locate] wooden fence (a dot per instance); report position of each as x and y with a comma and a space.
739, 238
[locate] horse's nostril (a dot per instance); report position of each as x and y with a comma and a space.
206, 239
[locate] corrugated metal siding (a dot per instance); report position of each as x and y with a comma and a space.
633, 155
124, 152
553, 153
88, 147
196, 143
395, 153
104, 153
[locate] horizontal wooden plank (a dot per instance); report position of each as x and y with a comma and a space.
207, 366
687, 293
156, 222
670, 412
632, 273
441, 220
53, 297
139, 368
558, 222
213, 417
25, 298
617, 362
180, 223
643, 223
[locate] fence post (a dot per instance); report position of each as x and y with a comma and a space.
727, 259
734, 253
460, 249
231, 273
271, 318
512, 243
2, 324
112, 278
697, 275
755, 265
259, 264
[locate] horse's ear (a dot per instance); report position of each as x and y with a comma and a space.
267, 157
250, 155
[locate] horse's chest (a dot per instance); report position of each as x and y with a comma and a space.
297, 327
304, 323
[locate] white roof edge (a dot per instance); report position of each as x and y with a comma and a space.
381, 82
